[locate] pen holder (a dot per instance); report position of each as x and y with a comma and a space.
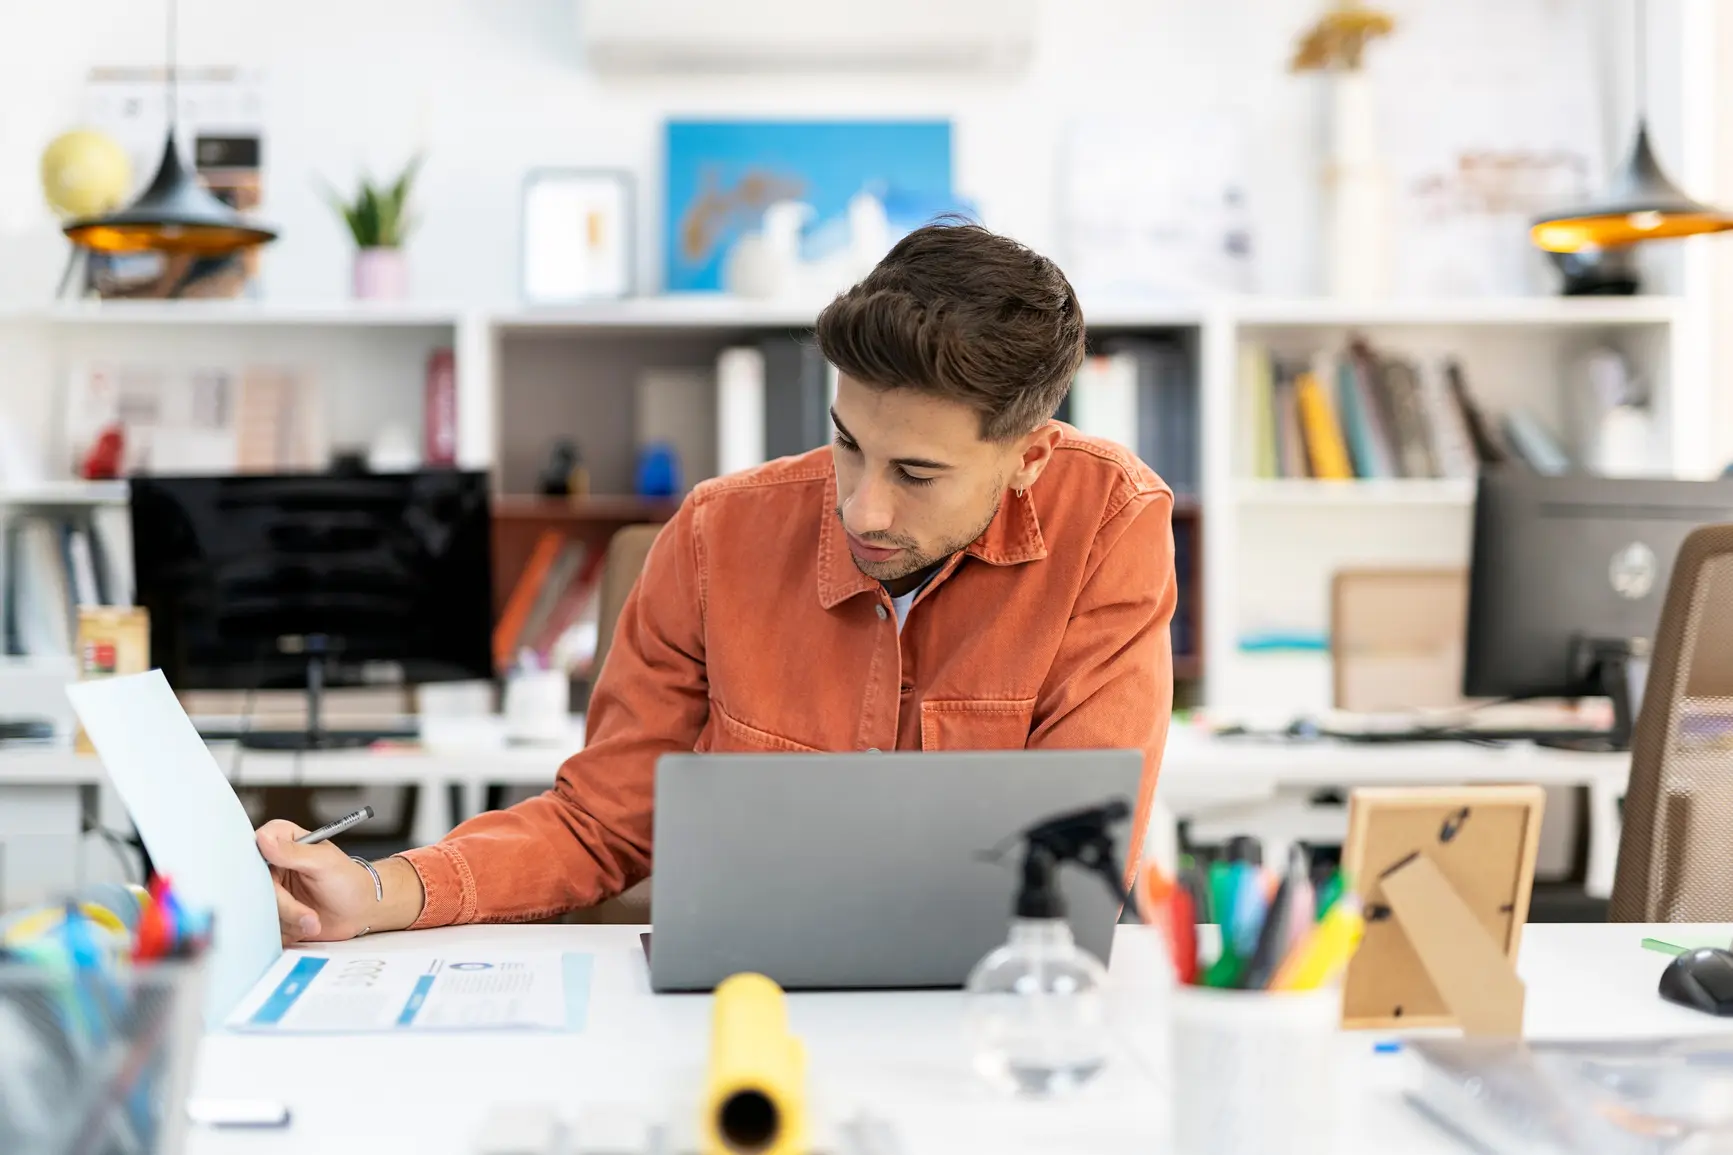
1254, 1072
98, 1065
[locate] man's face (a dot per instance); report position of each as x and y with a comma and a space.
915, 482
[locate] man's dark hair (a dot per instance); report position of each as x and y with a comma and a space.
961, 313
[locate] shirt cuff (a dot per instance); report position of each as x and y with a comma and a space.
446, 883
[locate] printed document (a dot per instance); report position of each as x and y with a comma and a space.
361, 991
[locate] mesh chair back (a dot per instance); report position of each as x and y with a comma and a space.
1676, 852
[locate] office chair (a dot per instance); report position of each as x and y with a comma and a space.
1676, 851
627, 550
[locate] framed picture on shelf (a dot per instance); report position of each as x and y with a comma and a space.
577, 236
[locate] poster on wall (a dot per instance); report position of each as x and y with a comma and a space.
221, 123
1132, 223
1490, 113
797, 208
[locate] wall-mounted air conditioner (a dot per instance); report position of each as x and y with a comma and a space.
761, 36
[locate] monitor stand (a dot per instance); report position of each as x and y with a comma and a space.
1609, 664
315, 736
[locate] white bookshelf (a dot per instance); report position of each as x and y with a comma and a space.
528, 374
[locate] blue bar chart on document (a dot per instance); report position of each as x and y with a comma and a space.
307, 992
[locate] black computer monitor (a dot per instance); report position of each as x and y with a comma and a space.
1567, 581
315, 580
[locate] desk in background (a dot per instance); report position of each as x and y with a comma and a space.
1203, 778
1223, 780
904, 1055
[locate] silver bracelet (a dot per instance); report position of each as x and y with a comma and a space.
378, 883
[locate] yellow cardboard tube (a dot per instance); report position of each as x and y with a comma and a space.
755, 1092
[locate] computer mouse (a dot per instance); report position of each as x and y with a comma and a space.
1702, 980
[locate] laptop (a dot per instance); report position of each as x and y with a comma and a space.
862, 871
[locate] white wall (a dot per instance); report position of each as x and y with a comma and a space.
493, 87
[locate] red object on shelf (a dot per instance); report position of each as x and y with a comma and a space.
440, 409
102, 461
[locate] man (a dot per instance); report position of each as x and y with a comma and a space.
957, 571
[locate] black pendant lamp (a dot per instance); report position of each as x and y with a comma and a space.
176, 213
1643, 204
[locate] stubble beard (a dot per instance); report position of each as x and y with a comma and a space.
913, 560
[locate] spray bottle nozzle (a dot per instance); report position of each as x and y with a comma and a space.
1080, 836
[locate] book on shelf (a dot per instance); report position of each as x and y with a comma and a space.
1363, 425
1534, 445
1488, 448
1260, 433
1325, 449
51, 566
772, 400
439, 409
521, 602
1291, 457
1139, 393
1365, 414
1415, 454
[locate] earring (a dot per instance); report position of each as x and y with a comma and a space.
1018, 490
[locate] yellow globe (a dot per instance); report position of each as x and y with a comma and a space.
84, 173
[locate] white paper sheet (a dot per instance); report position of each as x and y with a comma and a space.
192, 824
357, 992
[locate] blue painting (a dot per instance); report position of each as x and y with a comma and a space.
723, 175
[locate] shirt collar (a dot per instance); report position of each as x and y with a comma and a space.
1011, 538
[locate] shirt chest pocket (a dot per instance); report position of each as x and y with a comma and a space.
726, 734
990, 724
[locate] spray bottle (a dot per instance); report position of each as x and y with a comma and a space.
1036, 1004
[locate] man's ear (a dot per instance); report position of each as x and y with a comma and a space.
1036, 454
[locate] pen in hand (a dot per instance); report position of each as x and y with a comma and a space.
333, 829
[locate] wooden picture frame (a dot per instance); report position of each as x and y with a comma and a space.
1445, 876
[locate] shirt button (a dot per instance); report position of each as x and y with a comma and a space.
883, 613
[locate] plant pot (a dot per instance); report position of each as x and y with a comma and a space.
381, 275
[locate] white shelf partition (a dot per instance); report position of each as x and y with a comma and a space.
1451, 492
64, 495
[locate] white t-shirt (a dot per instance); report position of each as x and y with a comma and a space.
902, 604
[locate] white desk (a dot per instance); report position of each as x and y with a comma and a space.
1202, 776
902, 1055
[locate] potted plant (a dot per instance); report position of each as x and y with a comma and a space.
379, 219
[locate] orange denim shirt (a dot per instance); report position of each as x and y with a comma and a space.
752, 630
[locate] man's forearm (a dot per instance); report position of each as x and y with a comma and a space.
404, 896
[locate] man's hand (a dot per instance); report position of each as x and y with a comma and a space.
325, 896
